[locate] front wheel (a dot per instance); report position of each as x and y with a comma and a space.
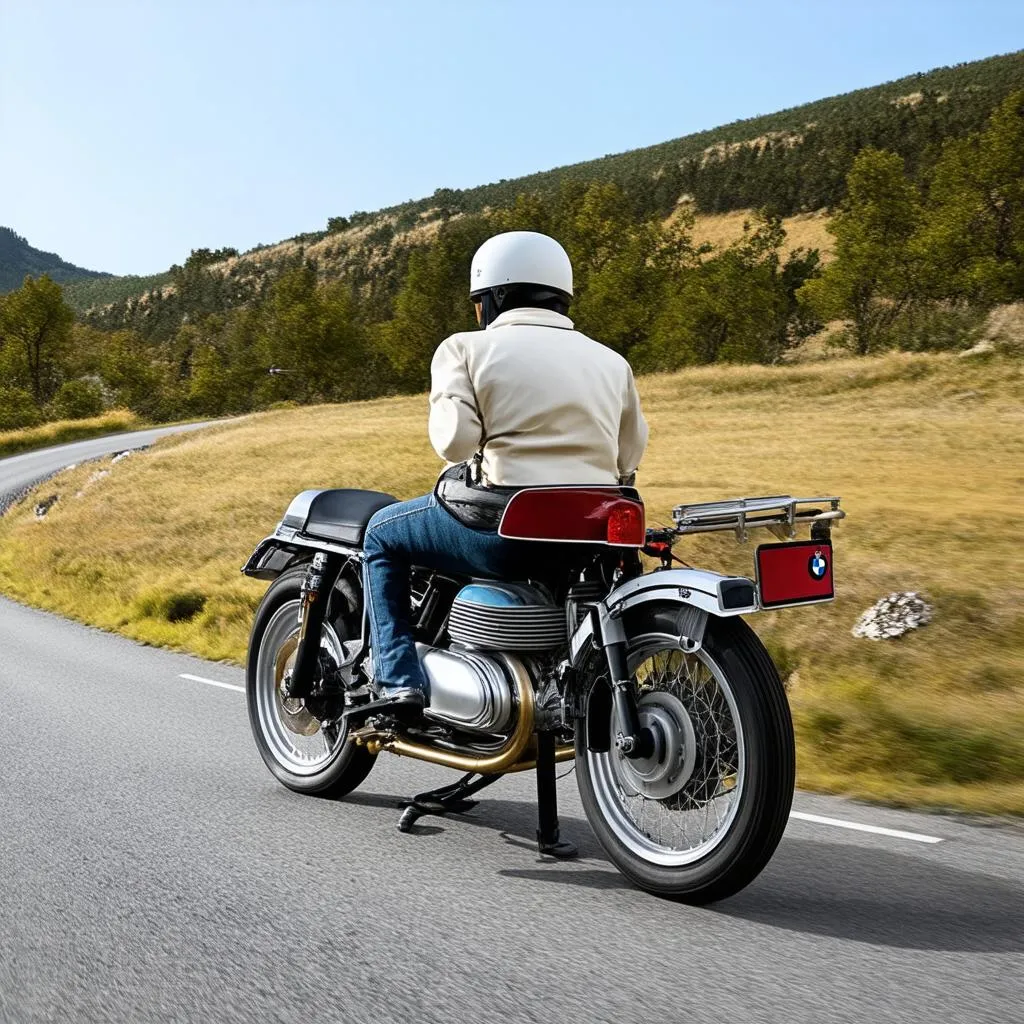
300, 752
701, 817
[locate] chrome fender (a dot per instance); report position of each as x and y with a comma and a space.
707, 593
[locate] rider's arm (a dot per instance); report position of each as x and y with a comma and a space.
455, 428
632, 430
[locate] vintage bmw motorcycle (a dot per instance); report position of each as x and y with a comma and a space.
651, 681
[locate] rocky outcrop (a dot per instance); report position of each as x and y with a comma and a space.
894, 615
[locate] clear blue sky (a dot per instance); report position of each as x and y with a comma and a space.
133, 132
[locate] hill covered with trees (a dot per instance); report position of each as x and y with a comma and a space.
792, 161
18, 259
924, 186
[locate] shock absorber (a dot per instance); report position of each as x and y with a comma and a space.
320, 578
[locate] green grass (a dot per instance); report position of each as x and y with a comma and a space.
927, 452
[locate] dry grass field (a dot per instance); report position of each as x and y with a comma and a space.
64, 431
927, 452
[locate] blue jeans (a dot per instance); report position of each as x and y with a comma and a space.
421, 532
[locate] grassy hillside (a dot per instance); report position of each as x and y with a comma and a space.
925, 450
803, 230
18, 258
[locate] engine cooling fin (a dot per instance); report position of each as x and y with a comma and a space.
506, 617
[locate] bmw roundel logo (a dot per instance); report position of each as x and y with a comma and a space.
818, 565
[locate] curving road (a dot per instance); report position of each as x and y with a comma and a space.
152, 870
20, 471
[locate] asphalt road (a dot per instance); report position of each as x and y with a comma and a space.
20, 471
151, 869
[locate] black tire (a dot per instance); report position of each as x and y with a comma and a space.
764, 794
347, 765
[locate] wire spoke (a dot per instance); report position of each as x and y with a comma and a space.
698, 812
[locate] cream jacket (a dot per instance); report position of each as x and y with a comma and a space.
545, 404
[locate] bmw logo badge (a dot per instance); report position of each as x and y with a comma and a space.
817, 566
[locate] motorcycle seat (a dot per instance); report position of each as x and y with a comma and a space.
342, 514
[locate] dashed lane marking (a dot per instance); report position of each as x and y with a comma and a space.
213, 682
817, 819
814, 819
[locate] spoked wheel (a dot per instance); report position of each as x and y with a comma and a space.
703, 814
303, 754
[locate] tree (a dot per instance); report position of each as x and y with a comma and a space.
206, 257
135, 377
314, 334
972, 239
35, 328
17, 409
874, 274
434, 300
208, 393
736, 305
78, 400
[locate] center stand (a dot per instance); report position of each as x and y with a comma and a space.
453, 799
447, 799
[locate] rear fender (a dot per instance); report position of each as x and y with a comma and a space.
272, 557
286, 547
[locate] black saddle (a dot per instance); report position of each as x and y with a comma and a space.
339, 515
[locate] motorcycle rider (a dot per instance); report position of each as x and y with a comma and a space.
526, 401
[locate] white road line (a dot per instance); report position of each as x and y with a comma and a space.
817, 819
212, 682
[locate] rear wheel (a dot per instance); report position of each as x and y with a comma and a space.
301, 753
701, 817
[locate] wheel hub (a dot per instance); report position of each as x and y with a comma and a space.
670, 766
295, 716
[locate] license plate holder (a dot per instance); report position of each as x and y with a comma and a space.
798, 572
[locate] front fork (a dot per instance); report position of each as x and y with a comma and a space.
633, 740
321, 575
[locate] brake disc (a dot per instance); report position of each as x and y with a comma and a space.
294, 715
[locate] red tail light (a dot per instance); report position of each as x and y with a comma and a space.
587, 515
626, 525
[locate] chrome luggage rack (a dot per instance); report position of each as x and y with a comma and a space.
780, 514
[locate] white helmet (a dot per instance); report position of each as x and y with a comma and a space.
518, 262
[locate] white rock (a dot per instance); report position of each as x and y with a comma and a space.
893, 616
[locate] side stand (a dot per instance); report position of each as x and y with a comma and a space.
448, 799
548, 841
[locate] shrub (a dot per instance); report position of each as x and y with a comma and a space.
938, 327
78, 400
17, 409
171, 606
184, 607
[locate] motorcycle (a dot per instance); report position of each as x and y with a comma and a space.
651, 682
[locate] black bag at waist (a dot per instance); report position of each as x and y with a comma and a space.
475, 505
